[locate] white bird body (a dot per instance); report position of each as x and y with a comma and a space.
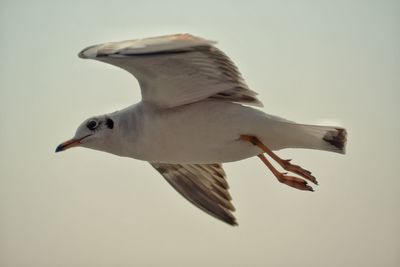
214, 127
194, 115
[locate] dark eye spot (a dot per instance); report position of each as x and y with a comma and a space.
92, 124
110, 123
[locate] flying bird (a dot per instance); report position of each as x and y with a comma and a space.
196, 113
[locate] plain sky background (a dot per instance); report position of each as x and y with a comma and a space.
311, 61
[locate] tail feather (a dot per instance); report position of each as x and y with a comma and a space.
280, 133
326, 138
337, 138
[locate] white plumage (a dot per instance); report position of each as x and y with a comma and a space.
192, 118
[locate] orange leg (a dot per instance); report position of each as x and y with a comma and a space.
284, 163
286, 179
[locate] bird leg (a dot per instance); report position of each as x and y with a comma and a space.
286, 179
284, 163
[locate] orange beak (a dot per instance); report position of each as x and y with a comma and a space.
70, 143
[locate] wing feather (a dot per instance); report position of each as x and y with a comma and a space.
177, 69
202, 185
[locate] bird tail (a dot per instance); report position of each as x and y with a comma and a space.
326, 138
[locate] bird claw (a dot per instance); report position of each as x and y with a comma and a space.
294, 182
299, 171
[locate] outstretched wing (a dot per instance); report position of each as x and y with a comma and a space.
176, 69
202, 184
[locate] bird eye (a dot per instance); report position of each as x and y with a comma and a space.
92, 124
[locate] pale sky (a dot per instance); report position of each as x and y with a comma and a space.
311, 62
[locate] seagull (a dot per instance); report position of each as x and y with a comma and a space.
196, 113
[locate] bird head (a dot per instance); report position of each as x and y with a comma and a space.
95, 133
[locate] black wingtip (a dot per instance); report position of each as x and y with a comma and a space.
231, 220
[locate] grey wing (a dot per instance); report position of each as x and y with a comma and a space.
177, 69
204, 185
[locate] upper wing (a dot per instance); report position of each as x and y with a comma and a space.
177, 69
202, 184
